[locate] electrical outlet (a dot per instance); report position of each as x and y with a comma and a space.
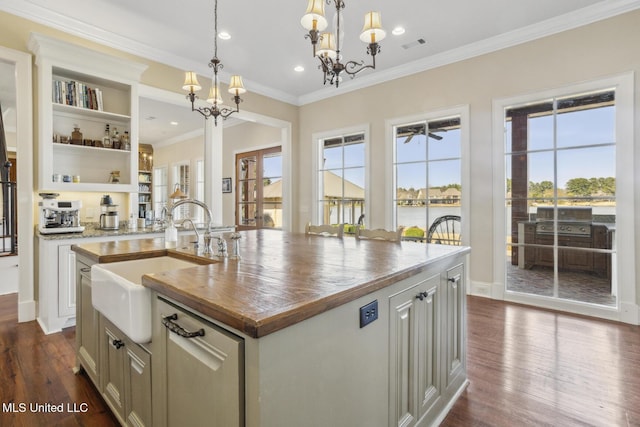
368, 313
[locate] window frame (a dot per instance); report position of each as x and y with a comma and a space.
318, 141
624, 268
461, 111
160, 193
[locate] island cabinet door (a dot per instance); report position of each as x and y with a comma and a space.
87, 326
137, 381
112, 357
454, 339
414, 352
203, 382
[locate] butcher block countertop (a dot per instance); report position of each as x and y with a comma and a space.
281, 279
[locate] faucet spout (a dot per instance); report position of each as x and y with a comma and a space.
207, 211
196, 244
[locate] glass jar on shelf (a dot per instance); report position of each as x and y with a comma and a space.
125, 144
106, 139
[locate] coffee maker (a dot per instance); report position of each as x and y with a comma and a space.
59, 216
109, 219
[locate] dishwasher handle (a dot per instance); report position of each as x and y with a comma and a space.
169, 323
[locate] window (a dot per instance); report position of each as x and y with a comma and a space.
182, 180
560, 196
427, 173
199, 190
159, 189
341, 180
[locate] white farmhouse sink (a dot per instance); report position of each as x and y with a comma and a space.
118, 294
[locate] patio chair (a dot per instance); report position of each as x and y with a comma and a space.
324, 230
445, 230
379, 234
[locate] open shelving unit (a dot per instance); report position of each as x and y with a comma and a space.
117, 81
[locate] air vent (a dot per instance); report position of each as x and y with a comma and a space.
414, 44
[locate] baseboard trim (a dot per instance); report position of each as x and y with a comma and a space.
26, 311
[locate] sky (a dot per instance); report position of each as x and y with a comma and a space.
580, 135
581, 154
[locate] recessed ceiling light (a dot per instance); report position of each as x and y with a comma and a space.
299, 69
397, 31
224, 35
173, 123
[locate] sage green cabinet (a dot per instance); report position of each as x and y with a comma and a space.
198, 370
415, 356
87, 323
427, 347
454, 339
126, 368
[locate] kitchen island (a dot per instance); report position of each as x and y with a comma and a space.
303, 330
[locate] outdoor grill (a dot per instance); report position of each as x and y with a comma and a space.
572, 221
576, 235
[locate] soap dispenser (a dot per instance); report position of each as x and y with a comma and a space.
170, 234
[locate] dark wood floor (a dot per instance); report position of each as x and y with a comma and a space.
37, 369
532, 367
527, 367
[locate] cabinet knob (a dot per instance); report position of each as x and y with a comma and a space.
452, 279
117, 344
422, 295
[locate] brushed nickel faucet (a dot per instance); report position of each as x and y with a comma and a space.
207, 211
196, 244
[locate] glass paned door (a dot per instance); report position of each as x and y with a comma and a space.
259, 189
561, 198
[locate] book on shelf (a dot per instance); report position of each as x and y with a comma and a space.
77, 94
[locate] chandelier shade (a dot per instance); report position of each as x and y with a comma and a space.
372, 31
326, 46
236, 87
191, 82
214, 96
313, 19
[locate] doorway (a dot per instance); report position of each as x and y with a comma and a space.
16, 95
259, 189
566, 198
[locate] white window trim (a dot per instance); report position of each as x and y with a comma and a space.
624, 269
463, 112
316, 155
154, 184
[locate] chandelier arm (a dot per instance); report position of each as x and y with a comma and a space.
353, 67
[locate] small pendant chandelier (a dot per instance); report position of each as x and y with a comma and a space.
328, 51
236, 87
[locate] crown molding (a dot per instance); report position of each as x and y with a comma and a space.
585, 16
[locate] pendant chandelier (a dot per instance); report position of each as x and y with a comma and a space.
236, 87
328, 50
